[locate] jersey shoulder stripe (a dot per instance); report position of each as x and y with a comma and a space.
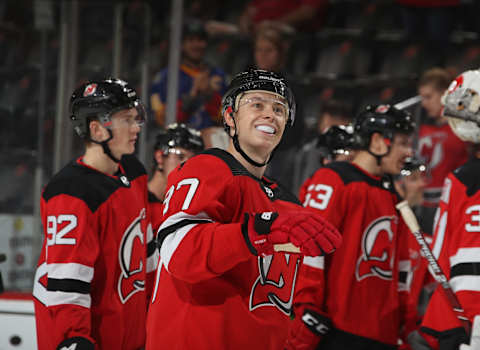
349, 173
467, 174
279, 191
90, 186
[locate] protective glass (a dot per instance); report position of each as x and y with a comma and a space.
180, 154
261, 104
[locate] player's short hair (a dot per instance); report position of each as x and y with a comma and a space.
437, 77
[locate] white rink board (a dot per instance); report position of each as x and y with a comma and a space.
17, 322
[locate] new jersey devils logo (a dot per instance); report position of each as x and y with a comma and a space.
130, 255
432, 149
377, 255
276, 282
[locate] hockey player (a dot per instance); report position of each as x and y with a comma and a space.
456, 240
89, 286
173, 146
220, 284
351, 299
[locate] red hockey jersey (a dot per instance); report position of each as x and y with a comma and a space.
444, 152
90, 280
457, 247
358, 286
211, 292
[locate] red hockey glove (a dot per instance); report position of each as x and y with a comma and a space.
77, 343
308, 231
307, 329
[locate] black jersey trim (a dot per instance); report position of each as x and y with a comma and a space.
152, 198
279, 192
151, 247
163, 233
68, 285
350, 173
465, 269
91, 186
467, 174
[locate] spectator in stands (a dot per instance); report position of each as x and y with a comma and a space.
442, 150
201, 86
302, 15
270, 49
309, 157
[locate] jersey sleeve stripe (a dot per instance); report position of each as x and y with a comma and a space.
317, 261
465, 255
68, 285
171, 242
70, 271
465, 269
62, 298
465, 283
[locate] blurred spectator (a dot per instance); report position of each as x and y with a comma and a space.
302, 15
431, 21
441, 149
201, 86
270, 47
309, 157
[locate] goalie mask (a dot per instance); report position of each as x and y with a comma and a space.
461, 106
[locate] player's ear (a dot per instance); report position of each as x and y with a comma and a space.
228, 117
377, 143
97, 131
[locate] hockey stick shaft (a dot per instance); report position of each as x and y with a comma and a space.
408, 102
286, 247
435, 269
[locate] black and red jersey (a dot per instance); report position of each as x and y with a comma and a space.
358, 286
212, 293
457, 248
90, 280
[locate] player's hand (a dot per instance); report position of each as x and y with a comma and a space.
307, 329
310, 232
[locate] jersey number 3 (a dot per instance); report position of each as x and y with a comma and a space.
320, 198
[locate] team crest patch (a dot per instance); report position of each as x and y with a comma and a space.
90, 89
382, 109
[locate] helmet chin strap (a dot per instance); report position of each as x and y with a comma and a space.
236, 144
379, 157
105, 147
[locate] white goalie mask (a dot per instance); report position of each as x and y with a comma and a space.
461, 104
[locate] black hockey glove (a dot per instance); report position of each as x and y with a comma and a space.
77, 343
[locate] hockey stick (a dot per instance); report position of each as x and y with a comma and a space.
408, 102
435, 269
286, 247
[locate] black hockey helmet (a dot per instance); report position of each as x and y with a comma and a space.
339, 139
179, 135
258, 79
100, 100
384, 119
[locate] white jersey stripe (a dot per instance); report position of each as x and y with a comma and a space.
57, 298
70, 270
171, 242
317, 261
465, 283
465, 255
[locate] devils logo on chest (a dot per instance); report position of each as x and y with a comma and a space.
275, 284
